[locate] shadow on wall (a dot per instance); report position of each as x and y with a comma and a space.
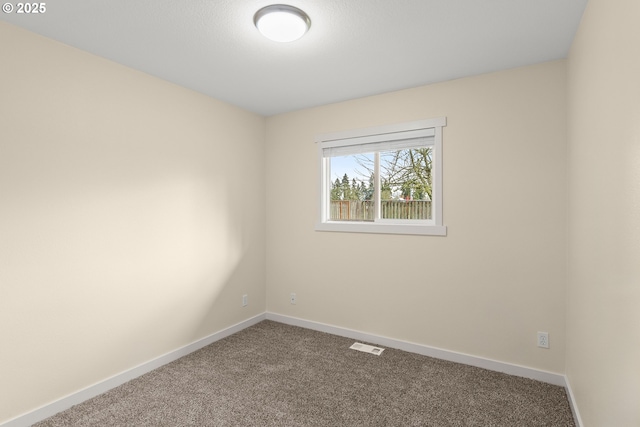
101, 276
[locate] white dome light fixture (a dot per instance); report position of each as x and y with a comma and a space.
281, 22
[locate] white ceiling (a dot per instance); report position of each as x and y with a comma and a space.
354, 48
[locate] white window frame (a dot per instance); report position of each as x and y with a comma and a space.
430, 127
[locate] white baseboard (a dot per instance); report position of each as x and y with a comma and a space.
573, 403
452, 356
66, 402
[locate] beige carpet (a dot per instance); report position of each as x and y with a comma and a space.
278, 375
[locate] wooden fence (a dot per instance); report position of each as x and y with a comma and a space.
363, 210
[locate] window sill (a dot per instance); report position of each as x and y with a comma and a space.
378, 228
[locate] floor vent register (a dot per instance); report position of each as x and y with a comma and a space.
367, 348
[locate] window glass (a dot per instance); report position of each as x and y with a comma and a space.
406, 184
352, 188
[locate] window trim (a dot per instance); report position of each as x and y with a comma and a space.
433, 227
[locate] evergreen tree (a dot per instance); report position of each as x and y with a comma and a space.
336, 190
345, 188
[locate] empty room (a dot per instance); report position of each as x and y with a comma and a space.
416, 212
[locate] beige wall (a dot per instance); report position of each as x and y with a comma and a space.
126, 227
500, 274
603, 320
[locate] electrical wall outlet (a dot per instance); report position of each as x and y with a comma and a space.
292, 298
543, 339
245, 300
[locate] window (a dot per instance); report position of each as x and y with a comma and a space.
386, 179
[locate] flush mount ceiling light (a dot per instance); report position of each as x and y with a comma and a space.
281, 22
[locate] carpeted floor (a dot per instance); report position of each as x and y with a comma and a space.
273, 374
